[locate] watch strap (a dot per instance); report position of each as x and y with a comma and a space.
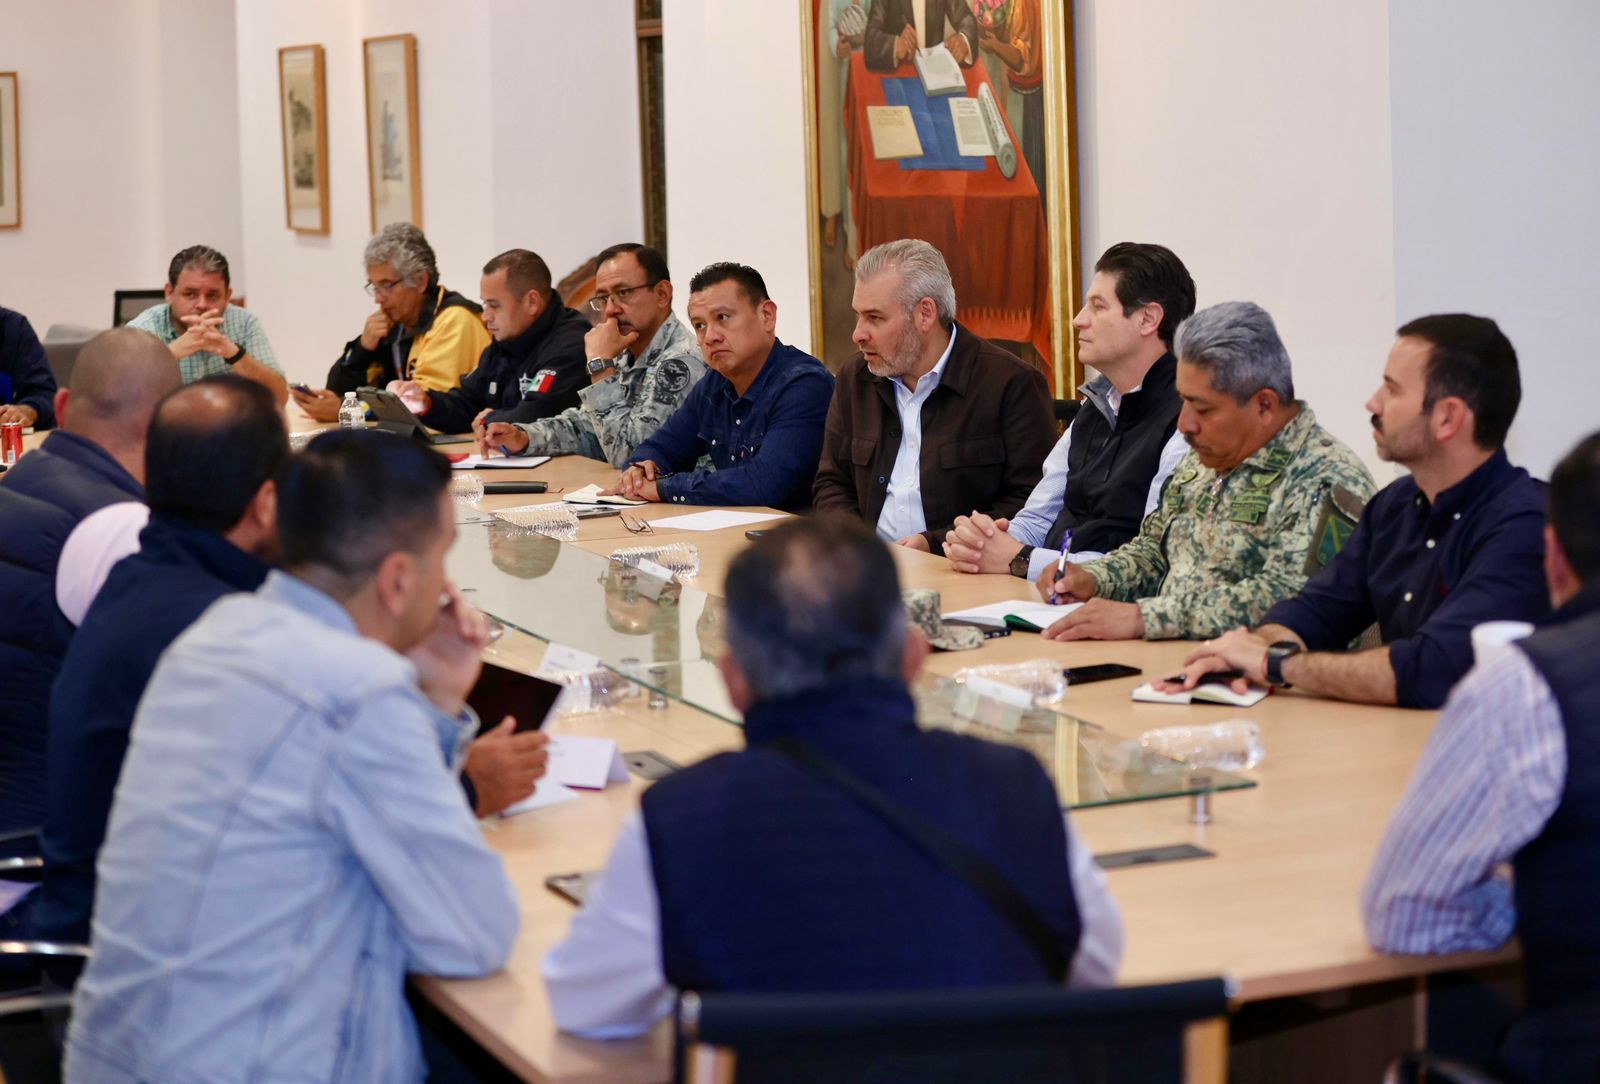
1276, 655
237, 356
1019, 563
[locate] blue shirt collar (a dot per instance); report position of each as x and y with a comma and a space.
299, 595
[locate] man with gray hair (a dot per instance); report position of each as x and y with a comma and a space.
779, 867
204, 330
1237, 519
420, 331
928, 422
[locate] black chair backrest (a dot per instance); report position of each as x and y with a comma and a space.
1066, 410
126, 304
1130, 1035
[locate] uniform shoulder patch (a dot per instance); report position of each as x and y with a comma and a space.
672, 377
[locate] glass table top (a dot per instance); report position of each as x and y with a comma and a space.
669, 641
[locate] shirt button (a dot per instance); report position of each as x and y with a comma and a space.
1430, 543
737, 422
1408, 596
1456, 516
880, 480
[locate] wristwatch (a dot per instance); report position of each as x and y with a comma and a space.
600, 365
1276, 654
237, 354
1019, 563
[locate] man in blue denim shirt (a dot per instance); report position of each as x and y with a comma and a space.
288, 838
758, 415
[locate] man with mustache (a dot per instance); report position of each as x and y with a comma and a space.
1238, 516
1457, 542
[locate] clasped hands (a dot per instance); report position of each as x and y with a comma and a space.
203, 332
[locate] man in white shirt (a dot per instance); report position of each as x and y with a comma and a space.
1106, 472
765, 870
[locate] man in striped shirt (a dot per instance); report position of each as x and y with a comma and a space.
1511, 775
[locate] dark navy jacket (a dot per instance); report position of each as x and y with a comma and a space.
770, 878
1556, 876
549, 356
148, 600
42, 498
763, 445
25, 376
1427, 574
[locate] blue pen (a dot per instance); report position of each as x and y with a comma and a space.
505, 451
1061, 566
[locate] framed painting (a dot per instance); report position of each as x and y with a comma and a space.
10, 155
394, 159
971, 147
303, 100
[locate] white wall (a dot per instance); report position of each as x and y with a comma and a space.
736, 176
1496, 176
129, 148
1252, 138
510, 151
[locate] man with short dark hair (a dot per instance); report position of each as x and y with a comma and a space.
1238, 517
27, 386
95, 458
288, 838
760, 870
420, 331
928, 421
1457, 541
204, 330
1106, 472
642, 363
757, 415
533, 368
1511, 774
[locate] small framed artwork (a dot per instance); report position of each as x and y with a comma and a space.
303, 99
393, 156
10, 149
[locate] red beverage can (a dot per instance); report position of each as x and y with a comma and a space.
10, 443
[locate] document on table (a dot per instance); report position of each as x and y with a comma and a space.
1029, 616
1202, 694
715, 520
590, 494
894, 133
589, 763
972, 134
548, 792
498, 462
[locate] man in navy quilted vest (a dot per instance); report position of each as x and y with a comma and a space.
1511, 774
807, 862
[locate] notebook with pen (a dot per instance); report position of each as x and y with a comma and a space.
1019, 616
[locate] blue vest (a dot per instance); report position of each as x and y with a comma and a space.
42, 498
1557, 876
772, 879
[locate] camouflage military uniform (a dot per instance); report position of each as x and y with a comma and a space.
1220, 550
628, 406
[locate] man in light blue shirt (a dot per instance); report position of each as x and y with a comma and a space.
288, 838
204, 332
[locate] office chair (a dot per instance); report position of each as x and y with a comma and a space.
126, 304
1128, 1035
1066, 410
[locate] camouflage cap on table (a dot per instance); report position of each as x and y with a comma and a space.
922, 610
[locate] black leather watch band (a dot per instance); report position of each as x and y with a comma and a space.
1276, 655
237, 355
1019, 563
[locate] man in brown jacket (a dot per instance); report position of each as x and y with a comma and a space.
928, 421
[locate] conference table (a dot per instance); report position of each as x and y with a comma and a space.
1275, 907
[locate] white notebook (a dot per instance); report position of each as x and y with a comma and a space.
1037, 616
1203, 694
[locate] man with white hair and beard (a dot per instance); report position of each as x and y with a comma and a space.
928, 421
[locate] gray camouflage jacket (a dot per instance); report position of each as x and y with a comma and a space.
1219, 550
628, 406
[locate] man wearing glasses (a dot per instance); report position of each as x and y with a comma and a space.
642, 363
420, 332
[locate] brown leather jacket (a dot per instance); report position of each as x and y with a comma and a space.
986, 430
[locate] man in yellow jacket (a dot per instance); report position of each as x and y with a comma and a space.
420, 330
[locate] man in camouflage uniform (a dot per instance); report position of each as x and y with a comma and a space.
632, 391
1239, 514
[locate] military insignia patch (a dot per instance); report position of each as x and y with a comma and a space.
671, 378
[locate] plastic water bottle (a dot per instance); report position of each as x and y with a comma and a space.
352, 415
1230, 746
554, 519
682, 558
1042, 678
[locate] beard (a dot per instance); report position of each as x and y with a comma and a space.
900, 358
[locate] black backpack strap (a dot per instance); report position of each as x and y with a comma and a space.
944, 848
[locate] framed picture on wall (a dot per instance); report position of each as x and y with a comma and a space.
10, 150
393, 156
303, 100
952, 121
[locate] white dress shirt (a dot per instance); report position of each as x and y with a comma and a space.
606, 978
103, 538
1031, 526
902, 505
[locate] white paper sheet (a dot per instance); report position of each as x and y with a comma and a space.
548, 793
499, 462
589, 763
714, 520
994, 614
560, 660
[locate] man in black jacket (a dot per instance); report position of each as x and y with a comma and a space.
533, 369
27, 386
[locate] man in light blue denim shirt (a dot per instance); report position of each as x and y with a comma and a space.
288, 838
